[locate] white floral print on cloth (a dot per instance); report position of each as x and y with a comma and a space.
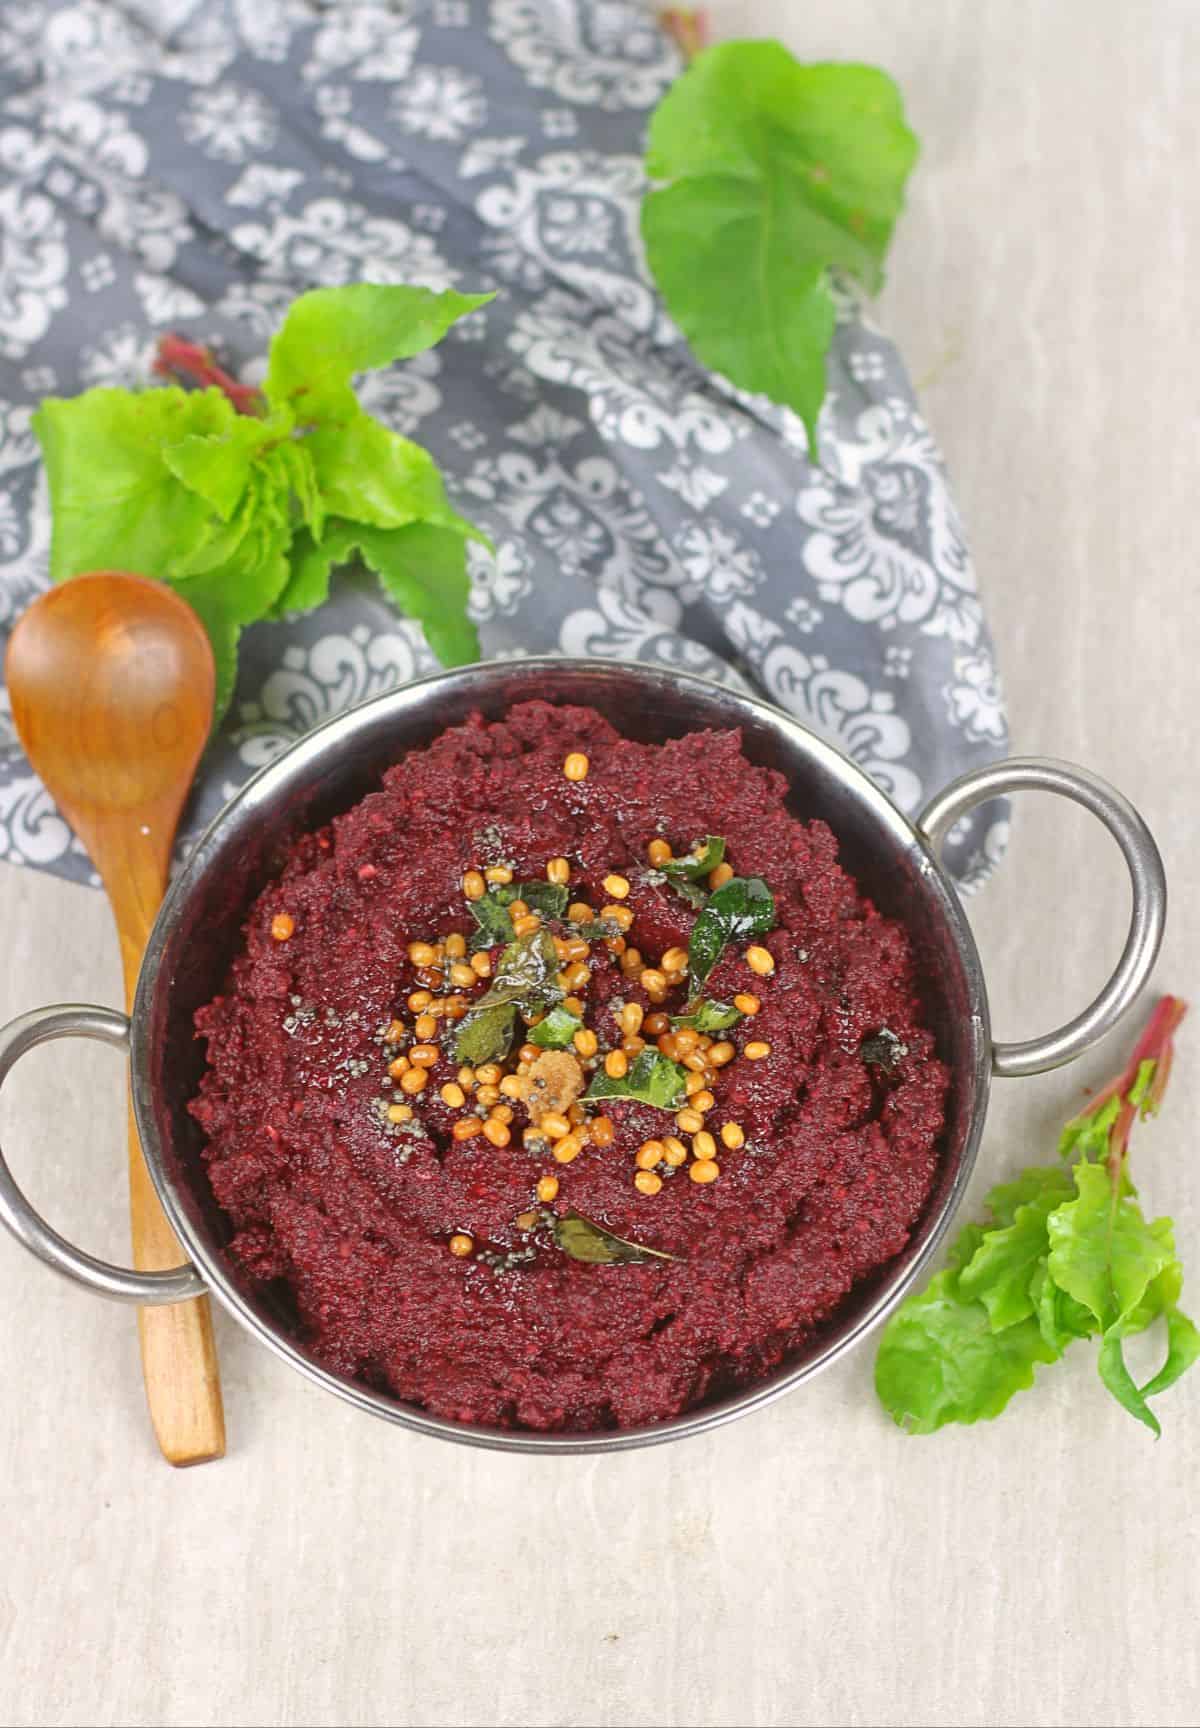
194, 165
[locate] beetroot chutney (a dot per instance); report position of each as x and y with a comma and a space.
414, 1209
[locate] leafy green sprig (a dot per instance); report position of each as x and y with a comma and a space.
246, 500
1068, 1254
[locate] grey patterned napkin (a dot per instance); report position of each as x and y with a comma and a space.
192, 165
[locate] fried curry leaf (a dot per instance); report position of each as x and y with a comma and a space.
690, 891
1068, 1255
492, 920
486, 1034
652, 1079
883, 1049
547, 898
491, 913
708, 1016
742, 907
557, 1030
523, 982
688, 876
583, 1240
699, 862
597, 930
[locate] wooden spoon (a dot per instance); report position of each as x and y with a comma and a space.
111, 683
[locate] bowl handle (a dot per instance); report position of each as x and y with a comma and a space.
118, 1282
1039, 774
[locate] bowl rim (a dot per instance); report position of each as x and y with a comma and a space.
333, 736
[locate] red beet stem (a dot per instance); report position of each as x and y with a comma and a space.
687, 26
189, 360
1155, 1044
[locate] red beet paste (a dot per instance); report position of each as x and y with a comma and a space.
356, 1213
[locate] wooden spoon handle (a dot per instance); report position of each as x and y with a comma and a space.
179, 1357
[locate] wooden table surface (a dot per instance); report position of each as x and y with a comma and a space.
810, 1565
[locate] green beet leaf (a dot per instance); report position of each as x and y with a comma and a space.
330, 334
651, 1079
1183, 1349
777, 173
964, 1246
1061, 1320
1102, 1251
247, 585
217, 463
115, 503
1163, 1291
311, 567
1120, 1382
1087, 1136
1160, 1300
295, 461
241, 542
231, 508
939, 1360
1069, 1255
422, 567
741, 908
375, 476
1001, 1271
556, 1031
1038, 1182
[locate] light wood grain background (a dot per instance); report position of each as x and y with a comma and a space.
810, 1565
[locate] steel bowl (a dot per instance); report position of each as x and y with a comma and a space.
199, 929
